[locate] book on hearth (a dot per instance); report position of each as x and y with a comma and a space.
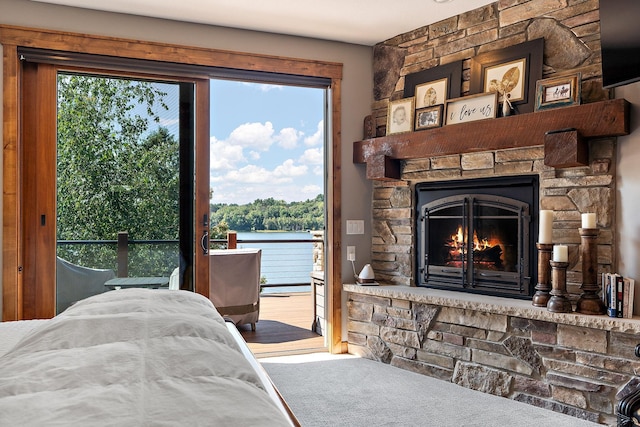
628, 296
611, 293
620, 295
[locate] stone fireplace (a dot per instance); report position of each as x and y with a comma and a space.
566, 362
476, 235
568, 192
575, 364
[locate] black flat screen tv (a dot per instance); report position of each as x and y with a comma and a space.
620, 41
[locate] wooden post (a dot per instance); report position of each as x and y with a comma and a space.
232, 240
541, 297
590, 302
123, 254
559, 301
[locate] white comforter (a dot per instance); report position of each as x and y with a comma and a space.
133, 357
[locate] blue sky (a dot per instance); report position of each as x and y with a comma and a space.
266, 141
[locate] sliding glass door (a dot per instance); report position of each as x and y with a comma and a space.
118, 184
111, 185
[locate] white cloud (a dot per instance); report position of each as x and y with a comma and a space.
289, 169
251, 174
264, 87
288, 138
318, 137
224, 156
257, 136
311, 191
312, 156
289, 192
240, 175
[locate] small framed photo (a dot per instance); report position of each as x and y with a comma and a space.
431, 93
558, 92
471, 108
400, 116
429, 117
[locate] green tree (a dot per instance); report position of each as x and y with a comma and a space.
271, 214
115, 172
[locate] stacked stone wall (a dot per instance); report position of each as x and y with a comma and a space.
572, 369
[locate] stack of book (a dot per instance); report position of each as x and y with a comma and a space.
617, 294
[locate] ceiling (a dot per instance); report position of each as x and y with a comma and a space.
364, 22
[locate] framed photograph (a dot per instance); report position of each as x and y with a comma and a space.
506, 79
512, 71
558, 92
429, 117
400, 116
432, 93
471, 108
445, 80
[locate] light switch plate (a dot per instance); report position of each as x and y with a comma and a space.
355, 226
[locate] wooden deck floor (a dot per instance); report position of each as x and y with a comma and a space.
284, 326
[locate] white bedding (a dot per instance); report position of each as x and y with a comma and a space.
133, 357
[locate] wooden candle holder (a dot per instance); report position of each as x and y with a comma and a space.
541, 297
559, 301
589, 302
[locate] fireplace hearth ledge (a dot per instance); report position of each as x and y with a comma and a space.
496, 305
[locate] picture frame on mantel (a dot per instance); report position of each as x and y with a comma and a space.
513, 70
445, 80
428, 117
558, 92
400, 116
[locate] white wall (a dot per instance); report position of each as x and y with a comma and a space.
628, 200
357, 83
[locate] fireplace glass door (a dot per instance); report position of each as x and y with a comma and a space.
475, 242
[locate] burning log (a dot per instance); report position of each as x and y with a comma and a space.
490, 255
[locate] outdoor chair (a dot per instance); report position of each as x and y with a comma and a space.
234, 284
74, 282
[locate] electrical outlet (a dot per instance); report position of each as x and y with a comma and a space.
351, 253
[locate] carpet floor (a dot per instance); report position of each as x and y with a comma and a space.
345, 390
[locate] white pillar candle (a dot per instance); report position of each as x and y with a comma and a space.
560, 253
588, 220
545, 226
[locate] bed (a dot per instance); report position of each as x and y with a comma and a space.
135, 357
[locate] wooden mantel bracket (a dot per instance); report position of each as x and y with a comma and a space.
554, 128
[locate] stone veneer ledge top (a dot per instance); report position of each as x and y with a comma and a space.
496, 305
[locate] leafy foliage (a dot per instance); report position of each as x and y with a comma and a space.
271, 214
115, 173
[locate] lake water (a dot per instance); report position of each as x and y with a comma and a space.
288, 263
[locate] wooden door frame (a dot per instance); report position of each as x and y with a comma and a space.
12, 37
38, 203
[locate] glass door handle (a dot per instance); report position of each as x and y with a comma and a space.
204, 242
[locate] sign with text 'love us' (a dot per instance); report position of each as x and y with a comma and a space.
471, 108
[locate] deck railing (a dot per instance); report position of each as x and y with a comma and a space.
129, 257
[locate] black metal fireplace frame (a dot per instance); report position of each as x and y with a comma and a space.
515, 194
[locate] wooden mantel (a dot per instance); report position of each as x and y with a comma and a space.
581, 122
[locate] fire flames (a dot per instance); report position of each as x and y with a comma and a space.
485, 250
